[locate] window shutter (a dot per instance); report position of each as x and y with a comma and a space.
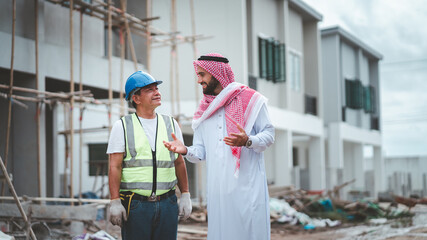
358, 95
367, 104
252, 82
354, 94
270, 59
262, 52
281, 51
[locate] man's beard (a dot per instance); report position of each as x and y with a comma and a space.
210, 88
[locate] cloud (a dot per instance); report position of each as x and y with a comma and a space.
395, 29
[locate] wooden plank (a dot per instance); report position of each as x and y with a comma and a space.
53, 212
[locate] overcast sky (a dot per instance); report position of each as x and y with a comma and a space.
397, 30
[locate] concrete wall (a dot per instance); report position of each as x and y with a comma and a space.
401, 166
22, 158
229, 41
296, 44
272, 26
331, 75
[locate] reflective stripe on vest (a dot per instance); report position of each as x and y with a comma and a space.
137, 167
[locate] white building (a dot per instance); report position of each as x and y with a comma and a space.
351, 111
406, 175
274, 46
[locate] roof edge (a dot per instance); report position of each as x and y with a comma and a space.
352, 39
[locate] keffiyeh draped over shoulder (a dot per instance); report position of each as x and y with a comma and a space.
241, 103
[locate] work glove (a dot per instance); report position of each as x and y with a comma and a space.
185, 206
117, 212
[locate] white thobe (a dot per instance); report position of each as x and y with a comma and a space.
238, 208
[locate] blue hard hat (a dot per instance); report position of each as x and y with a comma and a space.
138, 80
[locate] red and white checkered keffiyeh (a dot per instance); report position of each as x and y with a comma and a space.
237, 99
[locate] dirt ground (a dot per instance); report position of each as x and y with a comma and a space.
399, 229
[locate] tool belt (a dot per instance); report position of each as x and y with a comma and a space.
127, 197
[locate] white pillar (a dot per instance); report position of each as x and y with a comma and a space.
378, 171
316, 163
335, 152
359, 166
283, 153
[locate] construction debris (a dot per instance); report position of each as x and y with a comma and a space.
321, 209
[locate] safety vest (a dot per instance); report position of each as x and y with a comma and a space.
145, 171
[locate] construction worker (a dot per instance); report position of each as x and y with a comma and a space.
231, 130
143, 173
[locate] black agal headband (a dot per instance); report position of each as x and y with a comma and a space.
213, 58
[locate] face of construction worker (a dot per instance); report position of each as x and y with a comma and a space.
149, 96
210, 85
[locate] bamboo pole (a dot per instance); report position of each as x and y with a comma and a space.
172, 57
19, 103
36, 22
175, 56
15, 197
81, 104
129, 35
122, 62
195, 51
48, 199
71, 99
148, 40
110, 51
50, 94
67, 148
196, 88
9, 116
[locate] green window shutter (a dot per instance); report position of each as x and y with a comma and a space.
276, 61
373, 104
348, 87
353, 94
270, 59
367, 104
262, 54
282, 63
357, 95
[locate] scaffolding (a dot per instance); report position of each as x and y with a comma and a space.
128, 25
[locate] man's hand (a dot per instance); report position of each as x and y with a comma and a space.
185, 206
117, 212
237, 139
176, 146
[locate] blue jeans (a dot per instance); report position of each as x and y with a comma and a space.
152, 220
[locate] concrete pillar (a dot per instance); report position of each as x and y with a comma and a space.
283, 153
378, 171
41, 86
359, 166
316, 163
336, 153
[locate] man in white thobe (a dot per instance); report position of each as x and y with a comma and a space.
231, 130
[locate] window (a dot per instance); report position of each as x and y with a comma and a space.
270, 59
281, 64
262, 52
295, 70
310, 105
98, 159
272, 64
252, 82
369, 99
353, 94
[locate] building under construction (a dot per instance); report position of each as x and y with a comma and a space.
62, 72
68, 60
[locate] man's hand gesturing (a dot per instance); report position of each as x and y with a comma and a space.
176, 146
237, 139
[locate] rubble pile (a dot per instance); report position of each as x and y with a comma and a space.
318, 209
